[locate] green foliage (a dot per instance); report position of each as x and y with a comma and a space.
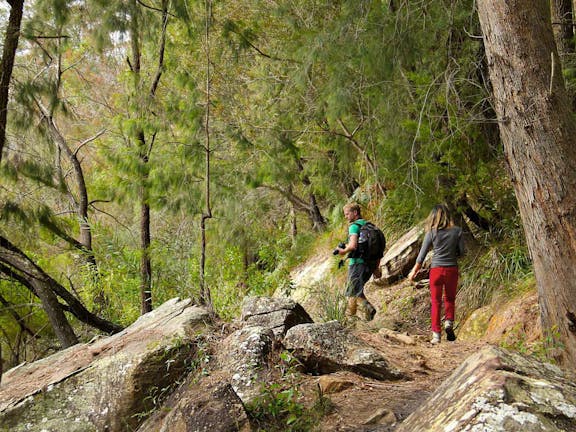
331, 300
279, 407
498, 271
548, 348
545, 349
310, 101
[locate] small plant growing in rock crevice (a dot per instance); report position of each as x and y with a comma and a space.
280, 406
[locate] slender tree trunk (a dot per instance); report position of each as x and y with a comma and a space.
293, 224
8, 54
539, 135
562, 15
17, 265
50, 304
80, 202
205, 294
318, 221
145, 260
143, 154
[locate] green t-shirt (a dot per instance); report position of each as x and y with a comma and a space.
354, 228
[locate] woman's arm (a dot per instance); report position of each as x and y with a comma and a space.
421, 255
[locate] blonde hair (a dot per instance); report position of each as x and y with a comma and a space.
439, 218
353, 207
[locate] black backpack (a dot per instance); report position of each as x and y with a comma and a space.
371, 243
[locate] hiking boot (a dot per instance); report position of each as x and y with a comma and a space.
368, 311
351, 307
449, 329
435, 338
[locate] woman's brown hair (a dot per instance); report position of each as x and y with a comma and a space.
439, 218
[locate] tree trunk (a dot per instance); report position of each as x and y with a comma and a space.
563, 30
11, 38
145, 238
293, 224
80, 202
50, 304
205, 292
318, 221
25, 271
145, 263
539, 137
143, 155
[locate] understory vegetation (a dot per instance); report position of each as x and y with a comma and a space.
204, 149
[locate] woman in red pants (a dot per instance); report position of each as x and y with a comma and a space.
445, 239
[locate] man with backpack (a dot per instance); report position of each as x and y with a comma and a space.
365, 248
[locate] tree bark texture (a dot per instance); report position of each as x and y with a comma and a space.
11, 38
145, 236
539, 137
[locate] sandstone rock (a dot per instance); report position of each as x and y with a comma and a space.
399, 337
401, 256
474, 328
331, 384
244, 355
277, 314
329, 347
498, 390
382, 416
107, 385
200, 408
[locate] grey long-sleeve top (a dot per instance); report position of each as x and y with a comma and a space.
448, 245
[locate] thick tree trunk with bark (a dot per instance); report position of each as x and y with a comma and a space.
539, 135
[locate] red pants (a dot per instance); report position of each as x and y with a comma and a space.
442, 278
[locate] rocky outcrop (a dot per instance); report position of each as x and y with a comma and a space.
328, 347
170, 372
244, 355
107, 385
401, 256
277, 314
201, 407
498, 390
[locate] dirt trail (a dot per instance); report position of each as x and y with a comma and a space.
425, 365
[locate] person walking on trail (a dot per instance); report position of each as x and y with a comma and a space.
446, 240
359, 271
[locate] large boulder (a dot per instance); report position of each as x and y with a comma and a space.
329, 347
401, 256
107, 385
498, 390
244, 355
213, 407
277, 314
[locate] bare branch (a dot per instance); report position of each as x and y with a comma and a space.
89, 140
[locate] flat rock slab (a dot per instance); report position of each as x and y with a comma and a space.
497, 390
103, 385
